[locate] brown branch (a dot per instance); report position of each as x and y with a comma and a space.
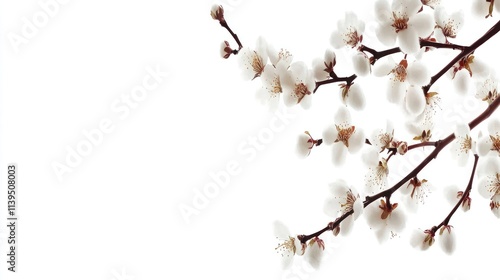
439, 146
466, 51
465, 195
335, 79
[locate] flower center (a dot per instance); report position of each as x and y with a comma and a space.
495, 141
385, 139
257, 65
466, 144
286, 247
449, 30
494, 188
344, 134
382, 169
283, 54
300, 91
399, 71
349, 201
275, 85
491, 96
400, 23
351, 37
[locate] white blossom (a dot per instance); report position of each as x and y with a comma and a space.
402, 77
447, 26
298, 85
383, 138
253, 62
271, 90
484, 9
414, 100
466, 68
281, 56
416, 192
461, 82
453, 195
352, 96
463, 144
403, 23
489, 183
422, 125
422, 239
361, 64
305, 143
315, 251
288, 245
344, 199
376, 176
349, 31
343, 136
490, 142
323, 67
447, 239
386, 220
487, 89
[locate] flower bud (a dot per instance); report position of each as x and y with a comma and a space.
217, 13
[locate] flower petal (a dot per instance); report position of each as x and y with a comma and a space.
408, 40
361, 64
447, 241
418, 74
306, 101
397, 220
370, 156
382, 11
386, 34
422, 23
494, 127
332, 207
396, 91
337, 39
330, 134
461, 82
338, 188
339, 153
356, 98
346, 225
356, 141
342, 116
357, 208
303, 146
384, 67
314, 255
415, 101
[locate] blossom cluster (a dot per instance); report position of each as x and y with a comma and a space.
409, 29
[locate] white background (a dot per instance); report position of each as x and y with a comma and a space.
116, 214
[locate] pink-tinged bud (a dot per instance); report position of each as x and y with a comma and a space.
225, 50
217, 13
402, 147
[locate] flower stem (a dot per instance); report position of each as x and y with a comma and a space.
235, 37
465, 195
